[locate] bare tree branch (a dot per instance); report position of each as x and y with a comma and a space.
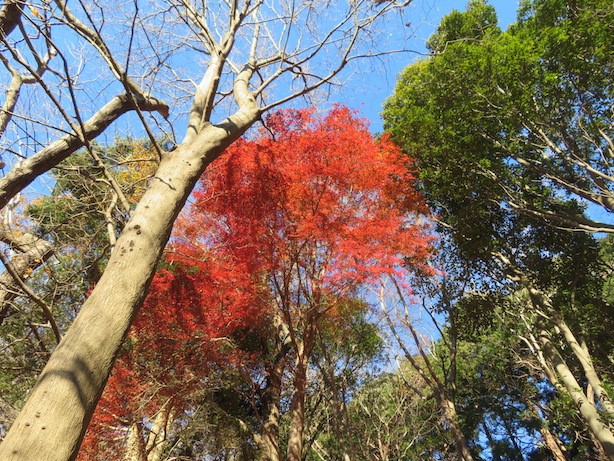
29, 169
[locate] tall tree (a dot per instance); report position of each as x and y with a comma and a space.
317, 210
239, 50
517, 118
506, 159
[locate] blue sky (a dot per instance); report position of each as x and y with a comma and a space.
367, 92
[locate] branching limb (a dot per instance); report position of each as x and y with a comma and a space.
10, 15
29, 169
37, 299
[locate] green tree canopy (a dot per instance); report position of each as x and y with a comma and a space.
518, 120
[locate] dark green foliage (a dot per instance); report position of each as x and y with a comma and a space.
510, 131
480, 113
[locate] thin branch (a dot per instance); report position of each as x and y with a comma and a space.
37, 299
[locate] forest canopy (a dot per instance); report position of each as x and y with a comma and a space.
227, 265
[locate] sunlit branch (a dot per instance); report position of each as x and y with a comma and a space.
29, 169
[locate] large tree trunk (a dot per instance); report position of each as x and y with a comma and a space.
53, 421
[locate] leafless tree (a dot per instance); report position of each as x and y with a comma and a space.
397, 314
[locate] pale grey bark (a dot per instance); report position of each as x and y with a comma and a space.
59, 407
555, 366
568, 382
30, 253
584, 358
147, 441
158, 433
50, 156
135, 449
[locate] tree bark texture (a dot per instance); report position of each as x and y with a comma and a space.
269, 440
10, 15
297, 406
135, 449
31, 252
449, 412
31, 168
588, 412
553, 443
53, 421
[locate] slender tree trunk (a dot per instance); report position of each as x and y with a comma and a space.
53, 421
551, 440
579, 350
135, 448
337, 395
491, 440
157, 440
568, 383
269, 437
338, 419
588, 412
297, 406
449, 412
432, 380
32, 251
269, 440
512, 438
553, 443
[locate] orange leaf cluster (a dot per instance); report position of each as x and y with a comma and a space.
317, 192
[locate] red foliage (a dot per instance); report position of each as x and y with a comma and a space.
319, 193
197, 303
313, 209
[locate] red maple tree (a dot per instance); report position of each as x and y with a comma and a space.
318, 210
285, 228
319, 186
